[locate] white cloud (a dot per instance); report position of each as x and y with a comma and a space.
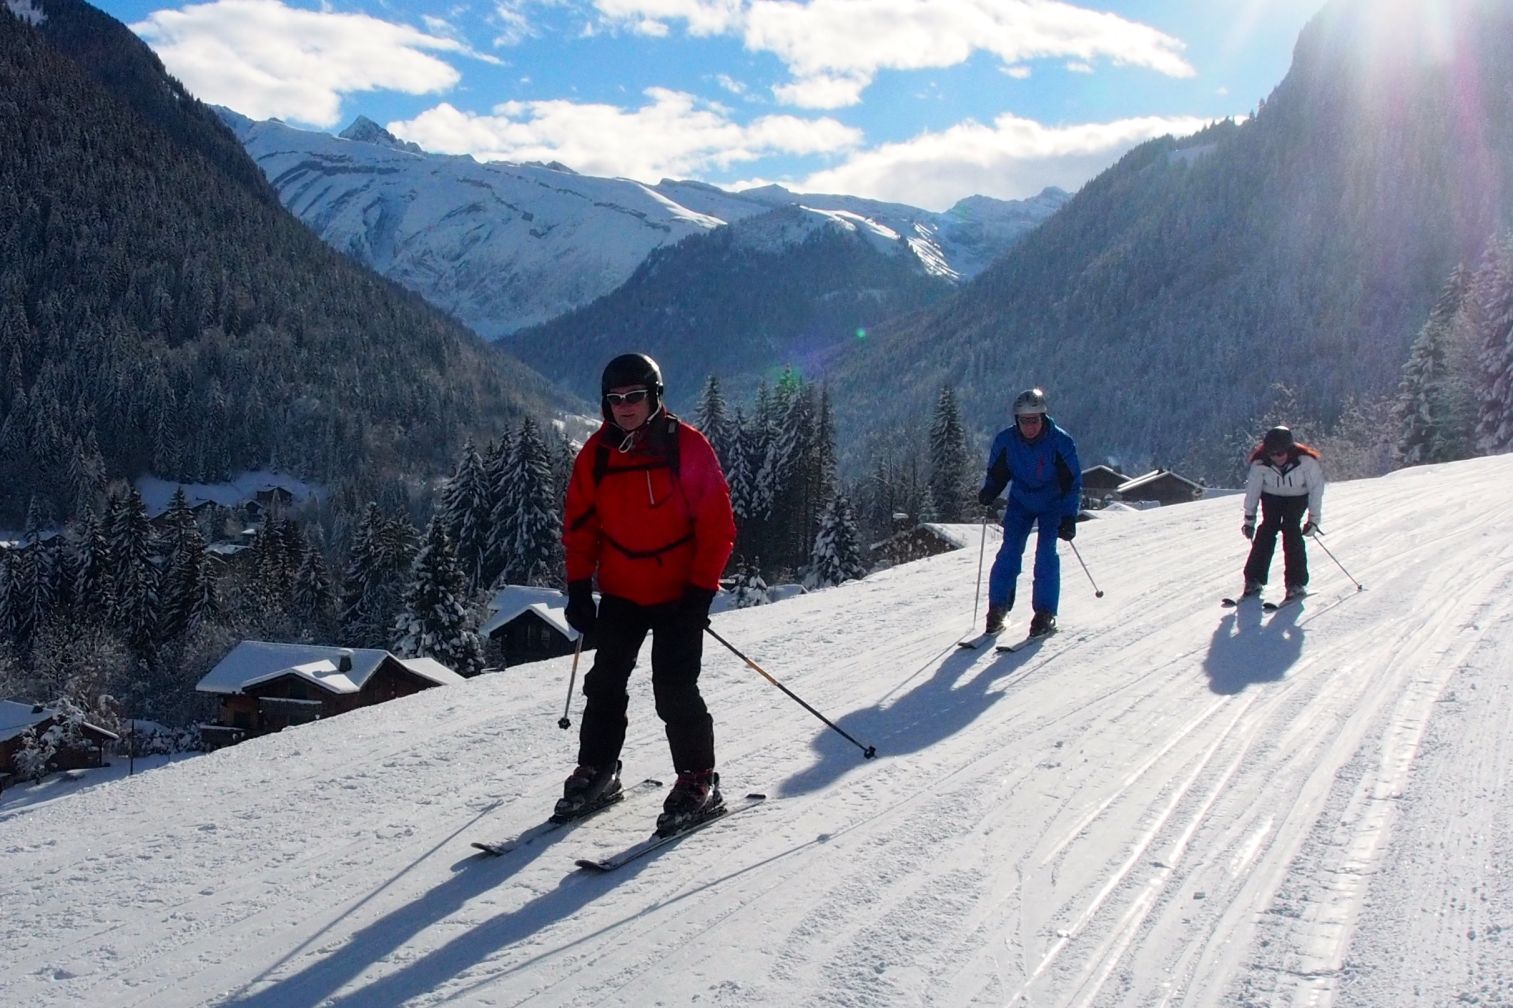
672, 135
1011, 159
651, 17
834, 48
265, 59
1018, 71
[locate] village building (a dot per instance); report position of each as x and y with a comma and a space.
1160, 487
528, 624
16, 719
1100, 485
265, 687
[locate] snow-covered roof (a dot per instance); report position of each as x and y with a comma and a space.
512, 600
1151, 477
16, 718
254, 662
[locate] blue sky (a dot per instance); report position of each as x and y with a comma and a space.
918, 101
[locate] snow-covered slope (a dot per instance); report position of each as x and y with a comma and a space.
1166, 804
503, 246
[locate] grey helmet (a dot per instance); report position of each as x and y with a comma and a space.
631, 369
1030, 401
1277, 439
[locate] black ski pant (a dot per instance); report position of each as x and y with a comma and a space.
1284, 515
677, 651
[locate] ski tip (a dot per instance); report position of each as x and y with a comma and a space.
755, 796
592, 866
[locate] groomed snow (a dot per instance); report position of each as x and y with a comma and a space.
1166, 804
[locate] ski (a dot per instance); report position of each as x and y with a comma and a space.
1020, 645
1289, 600
978, 641
499, 848
1230, 603
657, 841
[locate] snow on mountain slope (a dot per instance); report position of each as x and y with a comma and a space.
504, 246
1168, 803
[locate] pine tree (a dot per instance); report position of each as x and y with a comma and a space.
465, 507
712, 420
537, 548
432, 621
503, 521
313, 594
1433, 408
948, 460
364, 605
134, 588
91, 567
837, 548
747, 587
1493, 292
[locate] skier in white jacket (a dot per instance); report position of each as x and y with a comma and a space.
1286, 480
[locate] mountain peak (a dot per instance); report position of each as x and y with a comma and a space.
365, 130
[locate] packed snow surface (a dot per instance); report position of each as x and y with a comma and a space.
1168, 803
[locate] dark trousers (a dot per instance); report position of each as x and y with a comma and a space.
677, 651
1284, 515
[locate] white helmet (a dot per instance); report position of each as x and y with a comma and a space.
1029, 401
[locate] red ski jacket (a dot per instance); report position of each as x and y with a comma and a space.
650, 511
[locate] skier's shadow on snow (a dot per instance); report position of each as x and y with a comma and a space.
934, 710
1249, 646
363, 949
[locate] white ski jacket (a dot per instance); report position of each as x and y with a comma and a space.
1294, 478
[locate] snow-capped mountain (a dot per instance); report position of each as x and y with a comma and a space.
502, 246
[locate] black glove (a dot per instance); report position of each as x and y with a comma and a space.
581, 612
986, 497
1309, 528
1068, 529
695, 604
1249, 528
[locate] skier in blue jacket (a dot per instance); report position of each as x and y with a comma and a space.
1037, 461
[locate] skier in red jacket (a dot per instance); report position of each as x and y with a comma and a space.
648, 510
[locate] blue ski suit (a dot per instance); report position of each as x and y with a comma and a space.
1045, 485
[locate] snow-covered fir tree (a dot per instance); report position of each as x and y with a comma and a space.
948, 460
1435, 406
837, 548
747, 587
190, 594
713, 421
503, 520
537, 524
134, 586
367, 592
738, 472
314, 597
433, 618
466, 506
1493, 294
89, 566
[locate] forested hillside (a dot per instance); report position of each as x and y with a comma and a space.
1199, 283
741, 302
160, 313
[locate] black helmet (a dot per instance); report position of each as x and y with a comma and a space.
1031, 400
631, 369
1277, 439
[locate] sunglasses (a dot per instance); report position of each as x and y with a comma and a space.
1030, 418
632, 398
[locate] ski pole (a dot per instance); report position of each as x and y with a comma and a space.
867, 751
563, 722
981, 552
1097, 592
1319, 532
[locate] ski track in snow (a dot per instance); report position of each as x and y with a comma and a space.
1165, 804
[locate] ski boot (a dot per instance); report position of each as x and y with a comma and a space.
995, 619
1043, 625
588, 790
694, 798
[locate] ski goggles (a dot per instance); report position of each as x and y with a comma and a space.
632, 398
